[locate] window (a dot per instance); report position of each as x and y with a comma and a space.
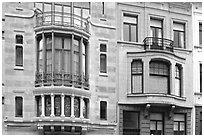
19, 50
103, 110
57, 105
76, 107
179, 35
38, 105
67, 106
200, 34
130, 28
178, 80
156, 124
19, 106
137, 76
159, 77
131, 123
156, 31
179, 124
47, 105
200, 77
103, 58
48, 45
103, 8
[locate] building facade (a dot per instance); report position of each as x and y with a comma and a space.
74, 68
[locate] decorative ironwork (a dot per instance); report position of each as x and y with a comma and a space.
158, 43
60, 79
66, 20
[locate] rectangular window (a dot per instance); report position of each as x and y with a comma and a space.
156, 124
200, 78
103, 8
178, 80
130, 28
103, 110
103, 58
131, 123
19, 50
156, 30
38, 105
200, 34
179, 35
179, 124
19, 106
137, 76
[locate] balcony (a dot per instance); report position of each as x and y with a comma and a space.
63, 20
158, 44
61, 79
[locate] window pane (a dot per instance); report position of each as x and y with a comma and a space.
57, 105
137, 84
76, 107
181, 40
200, 34
182, 126
103, 110
159, 84
152, 125
19, 106
39, 105
103, 63
77, 20
67, 16
47, 7
175, 126
177, 87
47, 105
130, 19
67, 106
39, 5
133, 33
126, 32
179, 117
176, 38
19, 56
155, 116
58, 14
102, 47
19, 39
85, 13
130, 120
159, 125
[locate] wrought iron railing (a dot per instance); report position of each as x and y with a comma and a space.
62, 19
158, 43
61, 79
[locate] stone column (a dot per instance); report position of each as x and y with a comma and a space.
81, 107
72, 105
62, 105
43, 105
52, 105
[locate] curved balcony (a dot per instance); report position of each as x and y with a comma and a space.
62, 19
61, 79
158, 44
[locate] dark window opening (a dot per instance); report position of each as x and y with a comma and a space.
131, 123
103, 8
179, 35
57, 128
38, 105
137, 76
103, 58
200, 34
103, 110
19, 106
19, 56
178, 70
19, 39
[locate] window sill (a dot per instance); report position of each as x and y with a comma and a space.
103, 74
18, 68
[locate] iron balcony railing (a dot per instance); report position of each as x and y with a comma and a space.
61, 79
62, 19
158, 43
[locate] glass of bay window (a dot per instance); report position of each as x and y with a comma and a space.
38, 105
178, 80
159, 77
200, 77
156, 124
58, 14
48, 45
67, 106
47, 105
137, 76
130, 28
179, 124
47, 13
76, 107
179, 35
40, 55
18, 106
57, 105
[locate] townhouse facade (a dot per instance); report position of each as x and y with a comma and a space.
99, 68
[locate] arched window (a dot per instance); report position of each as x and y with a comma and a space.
159, 77
136, 76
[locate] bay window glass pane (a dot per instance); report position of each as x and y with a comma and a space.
47, 7
58, 14
177, 87
126, 32
176, 38
58, 54
77, 18
76, 107
38, 105
57, 105
67, 15
40, 67
182, 126
85, 109
76, 56
67, 106
137, 84
47, 14
47, 105
159, 84
159, 125
85, 13
67, 55
181, 40
39, 5
84, 58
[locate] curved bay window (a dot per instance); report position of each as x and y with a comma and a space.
159, 77
137, 76
57, 105
76, 107
62, 60
67, 106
